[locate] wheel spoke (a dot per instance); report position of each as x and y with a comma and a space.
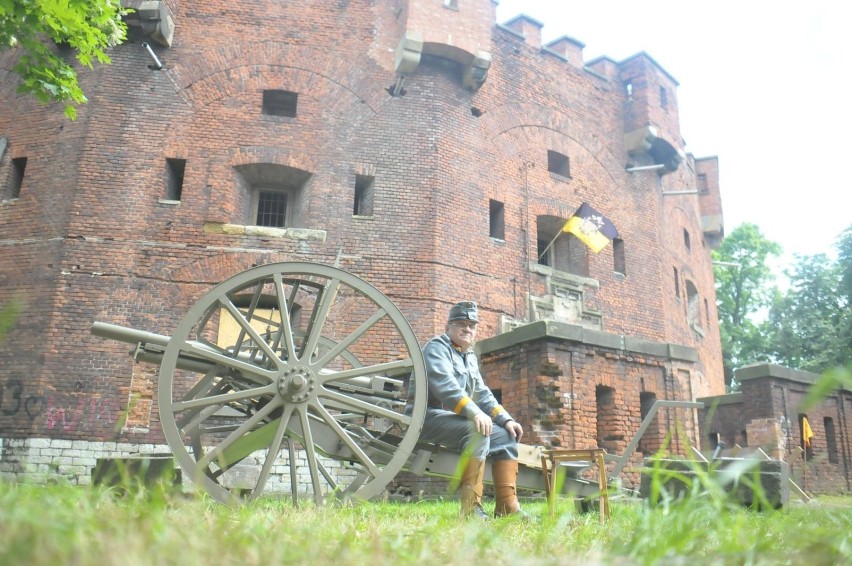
347, 439
365, 407
308, 441
319, 317
349, 340
272, 452
237, 434
284, 306
247, 369
363, 371
224, 398
247, 328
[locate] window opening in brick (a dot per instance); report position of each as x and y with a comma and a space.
652, 440
609, 434
693, 313
830, 440
558, 163
686, 241
543, 257
364, 195
19, 164
707, 312
805, 441
664, 98
744, 436
628, 89
476, 112
174, 177
280, 103
618, 260
565, 253
676, 283
271, 208
452, 4
496, 220
703, 188
715, 439
271, 195
498, 394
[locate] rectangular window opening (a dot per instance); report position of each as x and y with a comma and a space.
677, 283
174, 177
272, 208
496, 220
543, 258
280, 103
618, 261
19, 164
703, 187
664, 97
364, 195
830, 440
558, 163
686, 241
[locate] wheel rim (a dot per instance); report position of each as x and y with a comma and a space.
242, 393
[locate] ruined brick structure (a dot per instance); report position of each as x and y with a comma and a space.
416, 143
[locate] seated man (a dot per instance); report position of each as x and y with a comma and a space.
463, 414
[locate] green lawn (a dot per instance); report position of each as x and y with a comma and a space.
67, 525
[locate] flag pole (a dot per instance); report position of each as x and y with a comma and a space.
551, 243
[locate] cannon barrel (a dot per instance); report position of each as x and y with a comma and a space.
150, 348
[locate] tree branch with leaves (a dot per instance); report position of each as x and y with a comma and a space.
41, 29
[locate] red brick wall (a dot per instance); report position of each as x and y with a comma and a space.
769, 410
89, 240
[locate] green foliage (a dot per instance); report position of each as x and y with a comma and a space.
69, 525
742, 292
811, 326
42, 29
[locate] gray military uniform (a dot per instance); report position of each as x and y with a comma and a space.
457, 394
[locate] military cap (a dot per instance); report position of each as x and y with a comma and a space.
465, 310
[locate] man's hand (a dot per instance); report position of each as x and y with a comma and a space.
483, 424
514, 429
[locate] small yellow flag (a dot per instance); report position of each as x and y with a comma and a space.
807, 433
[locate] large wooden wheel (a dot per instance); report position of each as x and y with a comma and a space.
292, 365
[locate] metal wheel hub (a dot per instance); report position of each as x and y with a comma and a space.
297, 384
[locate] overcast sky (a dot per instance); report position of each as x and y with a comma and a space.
763, 86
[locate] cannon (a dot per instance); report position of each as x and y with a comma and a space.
304, 364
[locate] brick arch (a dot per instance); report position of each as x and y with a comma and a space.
215, 269
250, 154
509, 126
218, 73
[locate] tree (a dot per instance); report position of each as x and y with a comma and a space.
811, 325
42, 30
744, 289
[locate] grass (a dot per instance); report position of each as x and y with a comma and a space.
72, 525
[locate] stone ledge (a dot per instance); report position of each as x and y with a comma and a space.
564, 331
265, 231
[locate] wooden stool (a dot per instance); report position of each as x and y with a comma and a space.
552, 458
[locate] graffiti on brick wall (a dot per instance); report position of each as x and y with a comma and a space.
14, 399
63, 413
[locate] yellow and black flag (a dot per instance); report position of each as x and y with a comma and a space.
807, 433
592, 227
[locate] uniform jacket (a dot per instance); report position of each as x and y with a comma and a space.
455, 383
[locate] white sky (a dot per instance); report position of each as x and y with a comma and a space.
764, 85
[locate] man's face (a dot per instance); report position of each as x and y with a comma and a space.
462, 333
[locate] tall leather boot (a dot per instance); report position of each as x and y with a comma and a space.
505, 474
471, 489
